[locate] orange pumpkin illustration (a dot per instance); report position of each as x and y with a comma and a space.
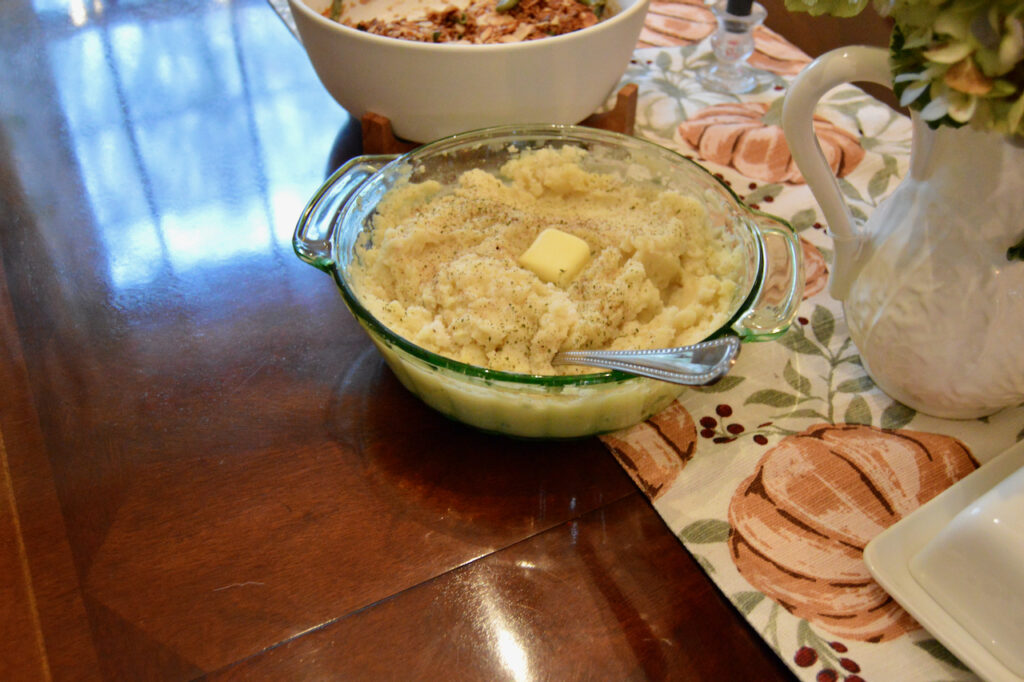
774, 53
815, 269
800, 523
653, 453
735, 134
668, 24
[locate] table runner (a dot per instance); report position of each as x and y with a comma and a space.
766, 476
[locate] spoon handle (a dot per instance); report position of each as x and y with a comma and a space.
697, 365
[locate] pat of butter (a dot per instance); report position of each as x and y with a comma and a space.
556, 256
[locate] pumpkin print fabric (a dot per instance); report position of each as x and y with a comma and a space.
776, 477
736, 134
801, 521
656, 451
673, 23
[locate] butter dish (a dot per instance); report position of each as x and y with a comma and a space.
974, 569
896, 556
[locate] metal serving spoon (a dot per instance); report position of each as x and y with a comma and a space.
697, 365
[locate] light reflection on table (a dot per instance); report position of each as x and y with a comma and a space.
164, 198
201, 446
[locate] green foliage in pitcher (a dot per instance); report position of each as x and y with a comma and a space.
954, 62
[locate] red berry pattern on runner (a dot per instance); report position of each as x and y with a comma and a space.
805, 657
849, 665
719, 429
833, 669
725, 411
708, 425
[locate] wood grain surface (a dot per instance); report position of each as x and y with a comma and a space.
205, 468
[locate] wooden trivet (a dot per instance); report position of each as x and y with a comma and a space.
379, 138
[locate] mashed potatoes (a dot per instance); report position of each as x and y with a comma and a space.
439, 265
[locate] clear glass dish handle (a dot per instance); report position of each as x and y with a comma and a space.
314, 232
782, 284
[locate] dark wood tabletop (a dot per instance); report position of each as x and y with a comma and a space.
206, 468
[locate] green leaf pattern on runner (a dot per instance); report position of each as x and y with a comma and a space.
896, 415
823, 324
705, 531
799, 382
747, 601
796, 341
723, 385
858, 411
758, 195
803, 220
879, 183
773, 397
856, 385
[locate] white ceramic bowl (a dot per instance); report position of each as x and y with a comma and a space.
430, 90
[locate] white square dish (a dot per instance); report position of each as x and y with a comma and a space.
889, 557
974, 569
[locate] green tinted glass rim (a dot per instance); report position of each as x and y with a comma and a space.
535, 133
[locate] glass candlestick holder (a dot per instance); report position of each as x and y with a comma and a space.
732, 44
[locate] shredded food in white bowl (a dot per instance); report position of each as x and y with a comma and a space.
475, 22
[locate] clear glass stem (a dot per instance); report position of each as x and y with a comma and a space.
732, 44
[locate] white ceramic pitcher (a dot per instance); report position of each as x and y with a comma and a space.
933, 304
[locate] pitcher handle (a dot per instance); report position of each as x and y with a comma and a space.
842, 65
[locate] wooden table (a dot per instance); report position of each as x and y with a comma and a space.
206, 469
